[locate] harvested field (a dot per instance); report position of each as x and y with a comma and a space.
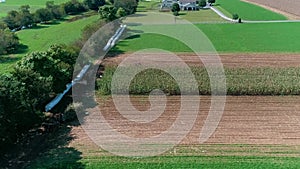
260, 125
228, 60
288, 7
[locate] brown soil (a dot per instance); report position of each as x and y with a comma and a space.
261, 125
288, 8
228, 60
247, 120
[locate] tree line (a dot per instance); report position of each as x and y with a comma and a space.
38, 77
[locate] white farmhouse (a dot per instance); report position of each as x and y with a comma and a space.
168, 3
183, 4
188, 4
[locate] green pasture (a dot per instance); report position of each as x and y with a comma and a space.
148, 5
247, 11
43, 36
200, 16
226, 38
15, 5
192, 157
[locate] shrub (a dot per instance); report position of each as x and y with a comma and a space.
235, 16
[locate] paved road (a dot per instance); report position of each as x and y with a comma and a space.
247, 21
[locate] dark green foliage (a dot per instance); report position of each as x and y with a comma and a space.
12, 19
57, 11
235, 16
121, 12
175, 9
202, 3
74, 7
43, 15
22, 96
26, 17
25, 92
57, 62
107, 12
94, 4
128, 5
9, 41
19, 19
211, 1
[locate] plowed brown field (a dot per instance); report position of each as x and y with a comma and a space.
266, 124
256, 125
286, 6
228, 60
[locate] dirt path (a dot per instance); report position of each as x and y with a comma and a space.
228, 60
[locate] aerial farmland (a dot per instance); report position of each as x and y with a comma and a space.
166, 86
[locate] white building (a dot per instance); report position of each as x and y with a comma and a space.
183, 4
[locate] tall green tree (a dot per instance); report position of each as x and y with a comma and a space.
57, 62
26, 18
211, 1
57, 11
22, 96
9, 41
107, 12
74, 7
43, 15
202, 3
175, 9
12, 19
128, 5
94, 4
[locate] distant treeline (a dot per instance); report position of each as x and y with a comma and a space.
23, 18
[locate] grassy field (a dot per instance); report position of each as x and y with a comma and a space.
226, 38
148, 6
186, 157
201, 16
15, 5
248, 11
41, 37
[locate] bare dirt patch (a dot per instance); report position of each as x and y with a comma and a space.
228, 60
289, 8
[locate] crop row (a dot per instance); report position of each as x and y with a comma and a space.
239, 81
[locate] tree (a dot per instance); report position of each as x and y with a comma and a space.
121, 13
211, 1
235, 16
9, 41
26, 18
175, 9
43, 15
107, 12
202, 3
22, 96
74, 7
12, 19
57, 62
128, 5
94, 4
57, 11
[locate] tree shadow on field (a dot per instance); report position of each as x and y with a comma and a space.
45, 151
8, 59
22, 49
115, 51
